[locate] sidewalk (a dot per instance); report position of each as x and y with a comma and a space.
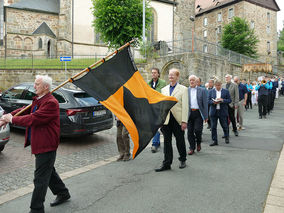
275, 198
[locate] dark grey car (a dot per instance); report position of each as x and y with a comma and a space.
80, 114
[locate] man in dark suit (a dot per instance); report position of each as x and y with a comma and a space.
219, 100
197, 114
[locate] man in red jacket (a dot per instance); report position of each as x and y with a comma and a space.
42, 133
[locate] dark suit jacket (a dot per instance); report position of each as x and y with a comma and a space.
223, 106
202, 102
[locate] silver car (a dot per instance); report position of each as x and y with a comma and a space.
4, 133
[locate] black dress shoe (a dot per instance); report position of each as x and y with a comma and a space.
227, 140
214, 144
236, 133
260, 117
60, 199
163, 168
182, 164
223, 136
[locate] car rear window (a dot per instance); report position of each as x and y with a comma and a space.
85, 99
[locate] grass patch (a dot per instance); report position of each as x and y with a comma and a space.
76, 63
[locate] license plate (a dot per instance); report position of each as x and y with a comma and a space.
99, 113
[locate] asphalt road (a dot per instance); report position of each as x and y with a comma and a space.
229, 178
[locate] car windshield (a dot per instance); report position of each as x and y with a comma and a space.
85, 99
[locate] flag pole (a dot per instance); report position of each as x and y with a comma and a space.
80, 73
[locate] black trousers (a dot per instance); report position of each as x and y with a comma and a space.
249, 103
273, 95
269, 102
45, 176
224, 124
232, 118
262, 104
209, 122
168, 130
194, 127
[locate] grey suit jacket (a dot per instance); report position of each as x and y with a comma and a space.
234, 93
202, 101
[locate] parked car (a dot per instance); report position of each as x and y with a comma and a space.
80, 114
4, 133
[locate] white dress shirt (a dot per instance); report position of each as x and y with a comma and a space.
218, 95
193, 98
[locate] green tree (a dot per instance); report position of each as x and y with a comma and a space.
280, 43
237, 36
119, 21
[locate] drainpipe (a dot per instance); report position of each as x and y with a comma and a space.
72, 28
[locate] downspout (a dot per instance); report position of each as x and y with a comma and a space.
72, 28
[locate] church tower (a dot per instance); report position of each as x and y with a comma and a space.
64, 39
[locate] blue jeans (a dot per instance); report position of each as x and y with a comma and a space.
156, 139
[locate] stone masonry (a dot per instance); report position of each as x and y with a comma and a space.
200, 64
253, 14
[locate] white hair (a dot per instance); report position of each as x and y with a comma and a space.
192, 76
45, 79
228, 75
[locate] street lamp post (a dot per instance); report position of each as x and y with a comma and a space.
192, 33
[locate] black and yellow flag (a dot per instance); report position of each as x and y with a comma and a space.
120, 87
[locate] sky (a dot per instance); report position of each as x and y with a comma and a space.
280, 15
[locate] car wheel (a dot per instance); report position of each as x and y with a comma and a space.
1, 148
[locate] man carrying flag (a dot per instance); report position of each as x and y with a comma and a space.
119, 86
176, 122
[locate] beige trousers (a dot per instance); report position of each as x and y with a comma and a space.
122, 140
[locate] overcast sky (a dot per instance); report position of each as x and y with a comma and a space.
280, 15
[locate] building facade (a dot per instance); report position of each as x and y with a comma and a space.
53, 28
261, 15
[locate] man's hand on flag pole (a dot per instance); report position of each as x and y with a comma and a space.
183, 126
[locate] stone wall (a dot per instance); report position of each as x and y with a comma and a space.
182, 23
20, 26
199, 64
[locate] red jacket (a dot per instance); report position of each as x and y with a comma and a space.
44, 123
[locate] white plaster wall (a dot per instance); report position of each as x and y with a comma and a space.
165, 20
83, 17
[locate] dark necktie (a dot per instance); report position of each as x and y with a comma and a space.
227, 86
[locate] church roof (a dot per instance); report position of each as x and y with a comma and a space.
202, 6
44, 29
47, 6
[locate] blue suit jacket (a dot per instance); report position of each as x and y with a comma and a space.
202, 102
223, 106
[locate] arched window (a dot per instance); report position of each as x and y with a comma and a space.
28, 44
18, 42
48, 48
152, 33
39, 43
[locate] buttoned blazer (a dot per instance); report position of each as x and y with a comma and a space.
180, 109
223, 106
202, 101
234, 94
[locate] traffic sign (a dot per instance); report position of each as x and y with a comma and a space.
65, 58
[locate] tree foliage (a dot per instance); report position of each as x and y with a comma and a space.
119, 21
237, 36
280, 43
